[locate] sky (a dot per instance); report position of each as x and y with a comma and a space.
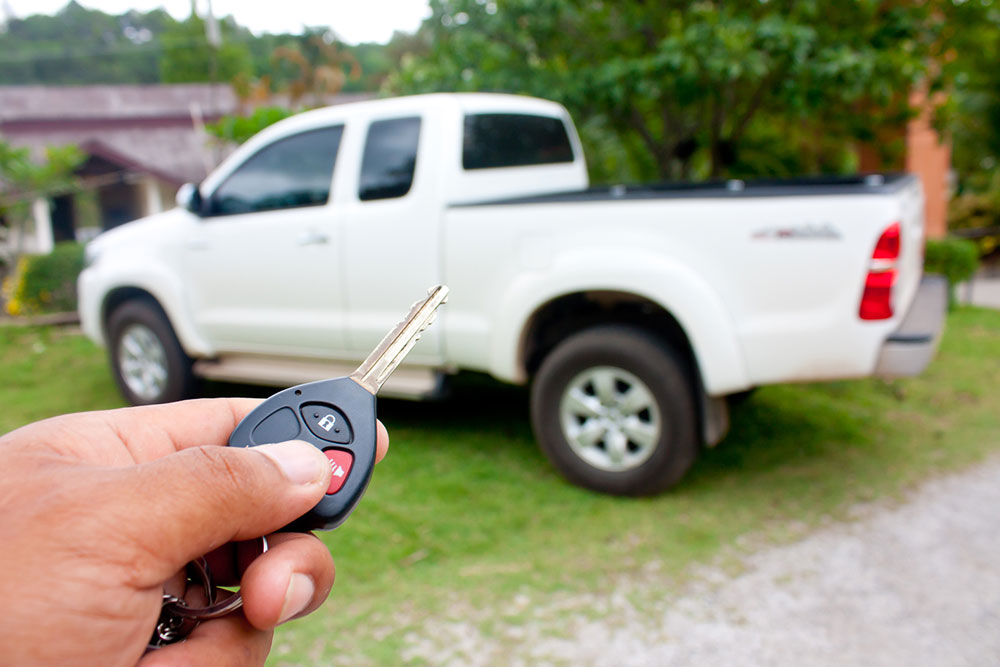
353, 20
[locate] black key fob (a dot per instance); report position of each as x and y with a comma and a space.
336, 416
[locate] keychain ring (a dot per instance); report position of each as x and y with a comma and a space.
214, 609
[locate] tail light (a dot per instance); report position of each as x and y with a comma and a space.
876, 301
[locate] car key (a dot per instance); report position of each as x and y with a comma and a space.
338, 417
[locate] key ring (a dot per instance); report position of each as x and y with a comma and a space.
171, 627
177, 619
216, 610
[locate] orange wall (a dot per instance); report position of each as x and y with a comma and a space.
927, 157
930, 159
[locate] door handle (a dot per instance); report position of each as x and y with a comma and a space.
312, 238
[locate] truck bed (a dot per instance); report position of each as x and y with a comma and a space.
861, 184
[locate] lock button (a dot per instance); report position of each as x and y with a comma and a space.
327, 423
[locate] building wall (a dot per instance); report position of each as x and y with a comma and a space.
929, 158
119, 203
925, 155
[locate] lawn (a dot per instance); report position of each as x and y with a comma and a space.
466, 508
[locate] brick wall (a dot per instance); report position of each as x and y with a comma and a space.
929, 158
924, 155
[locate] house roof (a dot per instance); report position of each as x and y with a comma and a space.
142, 128
61, 103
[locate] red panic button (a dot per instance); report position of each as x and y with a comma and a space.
340, 466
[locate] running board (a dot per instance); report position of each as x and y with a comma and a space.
413, 382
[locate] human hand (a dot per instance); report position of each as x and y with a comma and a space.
99, 510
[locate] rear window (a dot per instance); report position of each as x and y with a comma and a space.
514, 140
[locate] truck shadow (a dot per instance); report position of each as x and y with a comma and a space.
809, 428
802, 430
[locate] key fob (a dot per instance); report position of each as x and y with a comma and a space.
335, 416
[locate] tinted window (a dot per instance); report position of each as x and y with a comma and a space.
292, 172
390, 158
513, 140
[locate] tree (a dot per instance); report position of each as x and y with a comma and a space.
307, 69
79, 46
321, 67
22, 181
188, 56
973, 38
686, 89
238, 129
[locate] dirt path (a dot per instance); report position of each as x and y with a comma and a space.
914, 584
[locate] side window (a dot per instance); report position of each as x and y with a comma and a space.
390, 158
513, 140
292, 172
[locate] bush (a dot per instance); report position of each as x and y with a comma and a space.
238, 129
978, 215
45, 283
955, 259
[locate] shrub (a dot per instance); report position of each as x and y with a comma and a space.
238, 129
978, 213
45, 283
955, 259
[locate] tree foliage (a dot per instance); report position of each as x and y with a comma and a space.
79, 45
689, 89
321, 67
973, 60
664, 89
22, 180
237, 129
83, 46
188, 56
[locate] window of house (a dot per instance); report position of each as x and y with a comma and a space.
514, 140
390, 158
292, 172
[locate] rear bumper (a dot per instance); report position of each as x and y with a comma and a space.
909, 349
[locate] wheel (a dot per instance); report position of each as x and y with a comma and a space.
613, 409
147, 360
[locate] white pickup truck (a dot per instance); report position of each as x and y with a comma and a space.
633, 312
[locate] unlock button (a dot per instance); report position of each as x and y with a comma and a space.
327, 423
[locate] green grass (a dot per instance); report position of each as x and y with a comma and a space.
465, 508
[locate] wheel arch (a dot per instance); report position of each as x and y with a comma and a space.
566, 314
695, 323
167, 303
120, 295
653, 286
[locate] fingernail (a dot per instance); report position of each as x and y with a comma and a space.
298, 596
300, 462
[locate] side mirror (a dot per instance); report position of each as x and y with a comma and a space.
189, 197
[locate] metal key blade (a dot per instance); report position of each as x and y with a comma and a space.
380, 364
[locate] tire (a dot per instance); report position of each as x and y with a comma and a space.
147, 360
596, 431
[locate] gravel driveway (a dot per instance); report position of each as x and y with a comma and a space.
913, 583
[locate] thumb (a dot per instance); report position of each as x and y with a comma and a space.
197, 499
